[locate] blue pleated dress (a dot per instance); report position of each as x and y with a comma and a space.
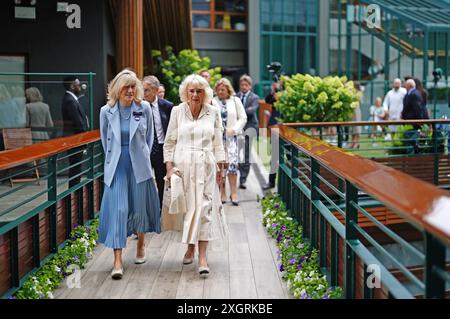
127, 207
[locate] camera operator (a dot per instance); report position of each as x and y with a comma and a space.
275, 69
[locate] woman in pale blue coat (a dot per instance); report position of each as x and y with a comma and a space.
130, 202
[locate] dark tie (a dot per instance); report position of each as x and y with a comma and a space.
243, 98
155, 136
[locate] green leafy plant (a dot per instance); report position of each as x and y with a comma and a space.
171, 69
76, 252
298, 261
401, 142
314, 99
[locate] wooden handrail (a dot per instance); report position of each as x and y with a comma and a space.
359, 123
20, 156
413, 199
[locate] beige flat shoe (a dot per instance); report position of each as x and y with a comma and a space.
140, 260
117, 274
203, 271
188, 260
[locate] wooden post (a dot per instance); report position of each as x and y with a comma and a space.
129, 35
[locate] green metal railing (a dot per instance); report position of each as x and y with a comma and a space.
333, 193
389, 142
24, 203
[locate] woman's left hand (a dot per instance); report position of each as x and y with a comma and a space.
230, 132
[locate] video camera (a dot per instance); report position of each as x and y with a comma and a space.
275, 69
437, 75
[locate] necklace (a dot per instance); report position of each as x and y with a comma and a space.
122, 114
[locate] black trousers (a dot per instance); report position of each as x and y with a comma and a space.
157, 160
244, 164
74, 159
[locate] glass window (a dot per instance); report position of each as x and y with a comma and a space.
231, 5
12, 92
220, 15
201, 5
201, 21
289, 35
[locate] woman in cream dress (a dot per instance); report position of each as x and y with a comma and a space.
194, 150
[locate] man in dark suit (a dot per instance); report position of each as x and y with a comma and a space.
412, 102
412, 110
251, 103
161, 115
75, 121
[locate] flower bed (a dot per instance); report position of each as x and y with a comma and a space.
298, 260
74, 255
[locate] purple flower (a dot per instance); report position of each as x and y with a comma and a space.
326, 297
299, 266
329, 289
274, 225
281, 268
292, 261
283, 227
279, 237
277, 205
12, 297
303, 296
76, 225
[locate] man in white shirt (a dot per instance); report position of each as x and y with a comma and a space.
393, 102
161, 109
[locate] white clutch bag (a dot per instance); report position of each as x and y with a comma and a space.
174, 197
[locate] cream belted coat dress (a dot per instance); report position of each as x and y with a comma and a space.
195, 147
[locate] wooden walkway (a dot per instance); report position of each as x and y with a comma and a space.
242, 266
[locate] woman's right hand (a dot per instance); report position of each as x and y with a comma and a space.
172, 171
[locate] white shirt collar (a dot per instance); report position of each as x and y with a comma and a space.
155, 102
74, 96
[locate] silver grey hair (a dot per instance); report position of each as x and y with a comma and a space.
198, 82
411, 82
247, 79
33, 95
152, 80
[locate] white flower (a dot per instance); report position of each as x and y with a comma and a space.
57, 269
49, 281
320, 287
50, 295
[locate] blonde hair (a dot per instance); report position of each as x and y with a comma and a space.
33, 95
124, 78
198, 82
225, 82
